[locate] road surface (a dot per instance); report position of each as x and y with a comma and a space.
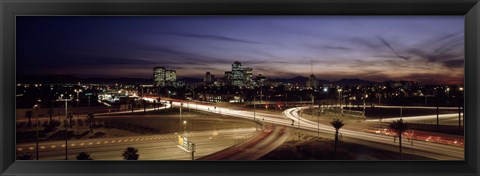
427, 149
150, 147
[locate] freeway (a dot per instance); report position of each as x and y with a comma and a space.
269, 139
427, 149
449, 117
150, 147
97, 115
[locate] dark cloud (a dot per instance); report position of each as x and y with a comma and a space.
392, 49
454, 63
212, 37
368, 43
337, 47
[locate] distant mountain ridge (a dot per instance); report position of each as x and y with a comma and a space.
352, 82
298, 80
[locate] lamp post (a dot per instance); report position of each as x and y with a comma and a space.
255, 105
180, 119
339, 97
70, 98
88, 101
325, 89
78, 98
36, 107
193, 98
185, 127
366, 96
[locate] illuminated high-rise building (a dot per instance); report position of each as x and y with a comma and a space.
261, 80
208, 78
170, 77
163, 77
248, 76
159, 76
228, 78
237, 74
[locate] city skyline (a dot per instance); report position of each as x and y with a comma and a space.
426, 49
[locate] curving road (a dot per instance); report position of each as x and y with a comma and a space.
427, 149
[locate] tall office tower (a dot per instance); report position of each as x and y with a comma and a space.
237, 74
208, 78
228, 78
159, 76
261, 80
248, 76
170, 77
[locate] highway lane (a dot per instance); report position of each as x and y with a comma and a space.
433, 150
263, 147
151, 147
84, 116
420, 118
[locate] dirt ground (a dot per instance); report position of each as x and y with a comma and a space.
314, 148
131, 124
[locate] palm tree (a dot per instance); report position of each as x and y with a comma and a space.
84, 156
337, 124
399, 128
90, 118
70, 117
25, 156
29, 115
132, 104
50, 113
130, 153
144, 103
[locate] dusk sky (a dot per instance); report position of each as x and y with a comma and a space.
427, 49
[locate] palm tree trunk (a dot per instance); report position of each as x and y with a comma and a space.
91, 129
400, 144
336, 140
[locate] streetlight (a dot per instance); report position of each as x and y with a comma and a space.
193, 98
70, 98
180, 118
339, 97
366, 96
184, 127
78, 98
88, 101
36, 107
254, 105
325, 89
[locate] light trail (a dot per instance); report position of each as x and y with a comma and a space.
432, 150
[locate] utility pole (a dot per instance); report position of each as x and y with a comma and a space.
299, 126
438, 120
70, 98
254, 108
180, 119
459, 117
401, 112
78, 98
318, 121
78, 124
193, 151
35, 107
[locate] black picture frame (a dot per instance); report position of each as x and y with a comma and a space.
11, 8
